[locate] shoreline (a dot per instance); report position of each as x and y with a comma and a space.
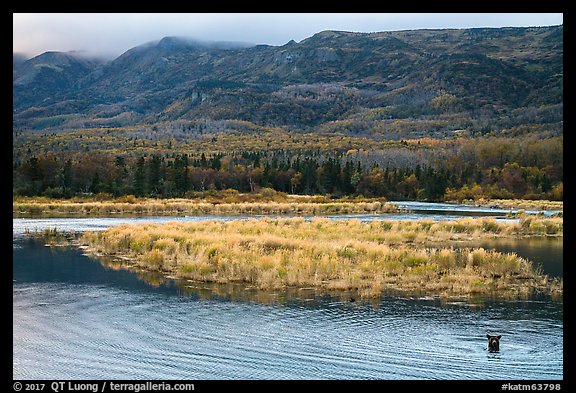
244, 291
179, 207
234, 204
515, 204
370, 258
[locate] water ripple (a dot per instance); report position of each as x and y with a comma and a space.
75, 326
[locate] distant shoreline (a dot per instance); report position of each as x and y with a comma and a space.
517, 204
235, 204
182, 207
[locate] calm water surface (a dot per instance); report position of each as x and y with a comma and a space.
76, 318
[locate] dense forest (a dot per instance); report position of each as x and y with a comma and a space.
530, 168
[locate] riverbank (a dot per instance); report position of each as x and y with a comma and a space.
231, 202
516, 204
370, 257
289, 205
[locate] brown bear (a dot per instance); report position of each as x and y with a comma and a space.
493, 342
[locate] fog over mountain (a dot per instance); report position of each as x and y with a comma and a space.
333, 81
111, 34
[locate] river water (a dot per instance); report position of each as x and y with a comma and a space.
77, 318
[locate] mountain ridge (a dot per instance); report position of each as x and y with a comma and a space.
367, 80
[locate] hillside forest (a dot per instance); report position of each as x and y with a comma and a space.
433, 115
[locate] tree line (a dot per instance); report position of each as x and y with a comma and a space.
464, 173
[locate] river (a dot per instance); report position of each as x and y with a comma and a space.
77, 318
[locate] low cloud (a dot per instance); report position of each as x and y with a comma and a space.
110, 35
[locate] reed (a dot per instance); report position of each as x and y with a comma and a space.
42, 207
52, 236
518, 204
370, 257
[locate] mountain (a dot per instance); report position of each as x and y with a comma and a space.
385, 84
48, 75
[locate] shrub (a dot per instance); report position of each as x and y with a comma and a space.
490, 225
445, 259
127, 199
169, 246
415, 261
154, 259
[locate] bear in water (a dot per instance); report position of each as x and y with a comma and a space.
493, 342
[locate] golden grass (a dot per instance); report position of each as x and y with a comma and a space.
42, 207
370, 257
52, 236
519, 204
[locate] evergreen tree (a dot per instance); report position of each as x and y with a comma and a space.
545, 183
154, 175
95, 184
67, 177
215, 163
139, 176
120, 176
181, 173
203, 161
347, 187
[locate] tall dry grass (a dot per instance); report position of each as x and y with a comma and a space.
42, 207
519, 204
368, 256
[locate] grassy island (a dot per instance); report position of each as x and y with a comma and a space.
371, 257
